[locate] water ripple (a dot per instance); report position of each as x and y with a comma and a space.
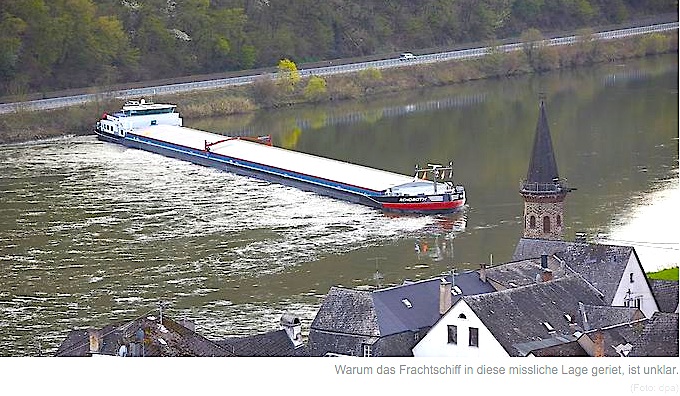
104, 230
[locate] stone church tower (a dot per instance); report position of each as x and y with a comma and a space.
543, 191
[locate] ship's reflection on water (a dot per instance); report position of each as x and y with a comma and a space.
440, 246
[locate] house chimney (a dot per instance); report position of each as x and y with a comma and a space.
592, 343
482, 272
546, 275
291, 324
586, 343
599, 344
95, 340
444, 296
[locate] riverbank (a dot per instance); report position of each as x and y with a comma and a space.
269, 93
670, 274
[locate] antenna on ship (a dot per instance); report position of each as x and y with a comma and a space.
435, 173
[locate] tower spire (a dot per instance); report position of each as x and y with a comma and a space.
542, 166
543, 190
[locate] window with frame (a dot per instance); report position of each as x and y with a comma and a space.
474, 337
637, 302
532, 222
546, 224
453, 334
367, 351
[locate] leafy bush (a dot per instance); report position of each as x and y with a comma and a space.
315, 90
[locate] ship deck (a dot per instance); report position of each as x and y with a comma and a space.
305, 164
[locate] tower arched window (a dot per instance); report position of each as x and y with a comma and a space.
532, 222
559, 221
546, 224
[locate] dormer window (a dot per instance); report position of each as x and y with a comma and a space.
549, 327
407, 303
455, 290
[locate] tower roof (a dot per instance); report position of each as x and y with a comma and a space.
542, 166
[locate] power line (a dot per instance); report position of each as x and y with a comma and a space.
647, 243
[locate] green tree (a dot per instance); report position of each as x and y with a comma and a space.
287, 74
159, 45
370, 78
651, 44
11, 29
90, 45
315, 90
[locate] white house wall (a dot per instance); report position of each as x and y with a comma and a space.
639, 288
435, 343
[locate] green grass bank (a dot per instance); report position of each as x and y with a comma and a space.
665, 274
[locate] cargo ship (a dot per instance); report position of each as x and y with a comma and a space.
158, 128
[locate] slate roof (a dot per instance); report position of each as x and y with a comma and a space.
600, 316
385, 312
659, 337
618, 340
347, 311
523, 272
569, 349
666, 294
601, 265
516, 316
77, 343
172, 339
542, 165
528, 248
470, 284
558, 345
271, 344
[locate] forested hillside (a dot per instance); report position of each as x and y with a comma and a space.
55, 44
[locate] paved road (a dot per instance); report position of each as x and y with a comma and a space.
54, 103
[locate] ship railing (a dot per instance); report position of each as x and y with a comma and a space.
438, 174
436, 171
